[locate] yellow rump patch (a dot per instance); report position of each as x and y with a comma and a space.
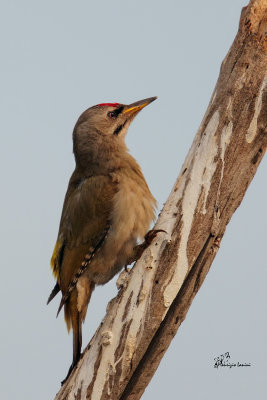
54, 262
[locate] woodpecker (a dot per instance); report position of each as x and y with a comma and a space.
108, 207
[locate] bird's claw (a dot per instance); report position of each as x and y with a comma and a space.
150, 236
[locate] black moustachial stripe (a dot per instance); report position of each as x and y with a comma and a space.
119, 128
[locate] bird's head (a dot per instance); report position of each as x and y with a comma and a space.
109, 119
104, 126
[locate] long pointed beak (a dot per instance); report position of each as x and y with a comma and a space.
138, 105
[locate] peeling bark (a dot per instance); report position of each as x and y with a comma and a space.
154, 298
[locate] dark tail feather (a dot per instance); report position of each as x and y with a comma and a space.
63, 301
76, 322
53, 293
77, 338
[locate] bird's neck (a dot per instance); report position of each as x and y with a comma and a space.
100, 155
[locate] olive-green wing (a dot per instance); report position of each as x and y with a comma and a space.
84, 223
86, 210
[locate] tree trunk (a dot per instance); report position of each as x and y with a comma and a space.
154, 298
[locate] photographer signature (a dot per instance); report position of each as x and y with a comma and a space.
224, 361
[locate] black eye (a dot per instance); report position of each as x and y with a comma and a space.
112, 115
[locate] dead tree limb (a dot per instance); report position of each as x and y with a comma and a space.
154, 298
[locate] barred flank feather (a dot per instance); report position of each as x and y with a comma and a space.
87, 259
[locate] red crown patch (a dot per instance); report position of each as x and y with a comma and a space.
109, 104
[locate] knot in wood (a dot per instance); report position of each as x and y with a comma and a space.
106, 338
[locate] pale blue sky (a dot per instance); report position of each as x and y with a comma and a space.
57, 59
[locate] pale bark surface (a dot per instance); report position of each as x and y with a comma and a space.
154, 298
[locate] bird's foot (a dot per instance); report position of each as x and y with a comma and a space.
150, 236
138, 250
126, 269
